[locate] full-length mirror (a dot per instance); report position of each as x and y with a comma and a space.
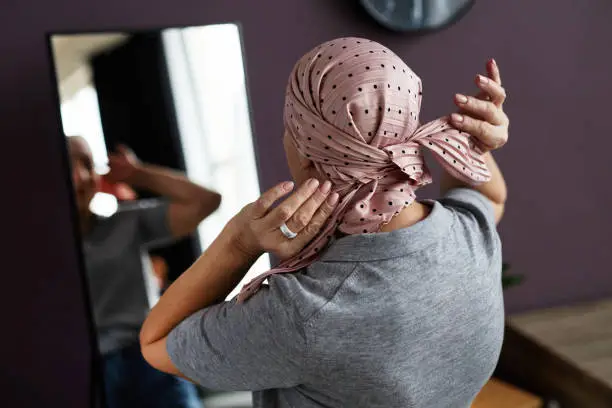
159, 139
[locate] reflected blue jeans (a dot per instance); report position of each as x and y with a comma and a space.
129, 381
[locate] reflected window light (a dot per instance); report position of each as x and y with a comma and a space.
81, 117
213, 118
104, 204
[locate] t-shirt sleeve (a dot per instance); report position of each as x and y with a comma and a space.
152, 221
474, 202
253, 346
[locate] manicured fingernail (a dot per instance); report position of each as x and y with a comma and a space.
457, 117
461, 98
288, 185
312, 183
482, 79
326, 187
333, 199
493, 62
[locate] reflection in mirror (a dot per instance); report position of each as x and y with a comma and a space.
161, 154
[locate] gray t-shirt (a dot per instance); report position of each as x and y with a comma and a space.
409, 318
119, 271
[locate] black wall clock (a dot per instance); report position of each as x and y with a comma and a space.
416, 15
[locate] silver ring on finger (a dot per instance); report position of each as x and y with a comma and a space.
287, 232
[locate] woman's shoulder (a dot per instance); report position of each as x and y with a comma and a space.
467, 200
309, 289
127, 207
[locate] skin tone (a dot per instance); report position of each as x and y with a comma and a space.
484, 117
85, 181
189, 202
255, 229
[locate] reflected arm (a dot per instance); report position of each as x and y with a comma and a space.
189, 202
207, 282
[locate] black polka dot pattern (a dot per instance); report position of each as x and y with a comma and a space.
352, 108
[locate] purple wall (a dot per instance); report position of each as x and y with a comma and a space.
554, 57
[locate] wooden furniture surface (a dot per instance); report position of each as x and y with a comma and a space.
563, 354
498, 394
580, 334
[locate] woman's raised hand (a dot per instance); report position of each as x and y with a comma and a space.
483, 116
257, 227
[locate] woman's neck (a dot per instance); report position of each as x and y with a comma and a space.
409, 216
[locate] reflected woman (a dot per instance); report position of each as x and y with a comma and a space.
381, 300
116, 258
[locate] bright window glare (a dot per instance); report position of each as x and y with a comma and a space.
104, 204
208, 84
81, 117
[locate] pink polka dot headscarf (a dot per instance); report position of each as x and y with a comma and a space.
352, 108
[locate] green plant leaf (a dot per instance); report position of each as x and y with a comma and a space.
511, 280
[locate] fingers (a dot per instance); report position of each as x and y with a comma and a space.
267, 199
317, 222
477, 128
493, 74
489, 136
483, 116
302, 217
493, 71
119, 152
288, 207
480, 108
495, 91
123, 149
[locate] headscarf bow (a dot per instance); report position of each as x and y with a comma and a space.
352, 108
